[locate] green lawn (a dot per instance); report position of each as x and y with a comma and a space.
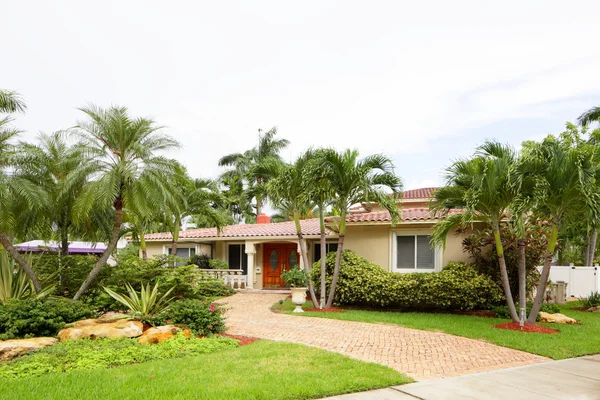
262, 370
572, 341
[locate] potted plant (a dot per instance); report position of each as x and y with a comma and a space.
297, 280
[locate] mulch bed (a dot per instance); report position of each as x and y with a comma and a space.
244, 340
514, 326
323, 310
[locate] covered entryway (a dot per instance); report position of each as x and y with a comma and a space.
277, 258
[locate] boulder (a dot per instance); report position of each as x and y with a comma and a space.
10, 349
159, 334
556, 318
102, 328
594, 309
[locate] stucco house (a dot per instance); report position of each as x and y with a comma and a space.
264, 250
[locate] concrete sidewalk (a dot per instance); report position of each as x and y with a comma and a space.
572, 379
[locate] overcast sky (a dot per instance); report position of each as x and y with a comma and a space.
423, 82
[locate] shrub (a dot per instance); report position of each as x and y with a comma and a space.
217, 264
200, 260
67, 272
502, 311
201, 317
593, 300
210, 288
361, 282
144, 305
295, 277
30, 318
88, 354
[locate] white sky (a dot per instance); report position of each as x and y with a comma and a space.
423, 82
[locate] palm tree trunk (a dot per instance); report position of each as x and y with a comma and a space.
504, 274
338, 259
307, 268
541, 288
175, 234
64, 244
7, 243
323, 260
592, 248
143, 246
112, 245
521, 262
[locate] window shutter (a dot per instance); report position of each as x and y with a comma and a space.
425, 254
405, 251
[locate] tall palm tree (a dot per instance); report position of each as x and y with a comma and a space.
121, 152
290, 189
353, 181
20, 199
591, 115
254, 165
50, 164
483, 189
566, 181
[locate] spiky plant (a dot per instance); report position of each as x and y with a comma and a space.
145, 304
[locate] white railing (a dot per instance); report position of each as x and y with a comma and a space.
231, 277
581, 281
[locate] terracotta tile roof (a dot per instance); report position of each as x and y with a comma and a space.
422, 193
309, 227
408, 214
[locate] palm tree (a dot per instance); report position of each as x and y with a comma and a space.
20, 199
564, 190
11, 102
253, 166
50, 165
121, 152
591, 115
483, 189
353, 181
290, 189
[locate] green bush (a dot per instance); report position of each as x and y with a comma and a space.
201, 317
201, 260
593, 300
67, 272
502, 311
31, 318
217, 264
295, 277
210, 288
361, 282
88, 354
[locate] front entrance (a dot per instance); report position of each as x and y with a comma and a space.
278, 257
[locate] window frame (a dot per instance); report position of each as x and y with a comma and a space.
318, 243
167, 249
243, 255
437, 254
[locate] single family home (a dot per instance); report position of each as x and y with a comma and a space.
264, 250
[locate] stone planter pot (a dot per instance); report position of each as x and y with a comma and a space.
299, 298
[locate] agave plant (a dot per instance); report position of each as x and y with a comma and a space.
15, 284
145, 304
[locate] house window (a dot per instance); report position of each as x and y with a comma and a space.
238, 259
329, 247
182, 252
414, 252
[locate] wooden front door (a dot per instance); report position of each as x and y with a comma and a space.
278, 257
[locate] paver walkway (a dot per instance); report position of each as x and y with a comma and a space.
419, 354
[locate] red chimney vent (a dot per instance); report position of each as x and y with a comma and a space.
263, 219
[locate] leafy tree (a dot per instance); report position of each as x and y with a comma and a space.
482, 188
290, 189
590, 116
121, 151
254, 166
353, 181
20, 199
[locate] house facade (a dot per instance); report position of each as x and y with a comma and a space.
264, 250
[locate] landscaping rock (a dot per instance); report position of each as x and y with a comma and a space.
102, 328
161, 333
10, 349
594, 309
556, 318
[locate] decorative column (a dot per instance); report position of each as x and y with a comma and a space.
250, 252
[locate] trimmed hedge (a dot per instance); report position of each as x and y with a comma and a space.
457, 286
201, 317
31, 318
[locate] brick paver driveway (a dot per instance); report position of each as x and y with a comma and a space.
419, 354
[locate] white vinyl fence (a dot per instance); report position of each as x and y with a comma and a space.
581, 281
